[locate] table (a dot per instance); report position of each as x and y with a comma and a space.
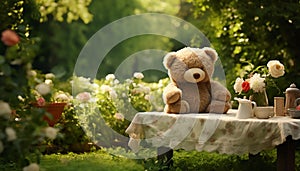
217, 133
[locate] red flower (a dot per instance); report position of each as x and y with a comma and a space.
10, 38
245, 86
41, 101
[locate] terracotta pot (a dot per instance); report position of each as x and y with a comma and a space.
55, 109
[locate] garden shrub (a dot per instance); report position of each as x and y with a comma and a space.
105, 106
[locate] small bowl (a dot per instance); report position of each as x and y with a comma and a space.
294, 113
264, 112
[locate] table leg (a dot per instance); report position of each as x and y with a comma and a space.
164, 156
286, 155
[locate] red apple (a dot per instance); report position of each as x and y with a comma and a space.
298, 107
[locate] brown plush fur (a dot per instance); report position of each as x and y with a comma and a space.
191, 90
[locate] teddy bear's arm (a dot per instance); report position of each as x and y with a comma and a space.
220, 101
171, 94
219, 92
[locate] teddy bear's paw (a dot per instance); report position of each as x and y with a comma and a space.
178, 107
172, 108
184, 107
227, 107
172, 96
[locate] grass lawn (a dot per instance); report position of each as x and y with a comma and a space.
93, 161
101, 160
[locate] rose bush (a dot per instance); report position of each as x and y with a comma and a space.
107, 104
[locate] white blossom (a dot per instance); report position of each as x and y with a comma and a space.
119, 116
11, 134
110, 77
5, 109
51, 132
238, 85
94, 86
31, 167
43, 88
276, 69
48, 81
81, 84
138, 75
113, 94
116, 81
84, 97
49, 76
257, 83
32, 73
105, 88
62, 97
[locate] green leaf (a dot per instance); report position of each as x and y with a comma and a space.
2, 59
6, 69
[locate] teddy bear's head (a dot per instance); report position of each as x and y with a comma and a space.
191, 64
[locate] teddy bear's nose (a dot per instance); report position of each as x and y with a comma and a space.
196, 75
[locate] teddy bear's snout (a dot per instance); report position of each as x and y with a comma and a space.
194, 75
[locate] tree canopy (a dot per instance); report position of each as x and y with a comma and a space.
251, 32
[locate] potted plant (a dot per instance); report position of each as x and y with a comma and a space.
47, 96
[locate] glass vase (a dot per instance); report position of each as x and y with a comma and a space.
261, 98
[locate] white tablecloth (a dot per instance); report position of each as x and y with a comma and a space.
211, 132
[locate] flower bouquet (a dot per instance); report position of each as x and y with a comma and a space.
254, 85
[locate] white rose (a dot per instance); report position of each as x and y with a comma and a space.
105, 88
4, 109
51, 132
276, 69
32, 73
110, 77
119, 116
48, 81
11, 134
62, 97
43, 88
49, 76
116, 81
138, 75
31, 167
84, 97
238, 85
113, 94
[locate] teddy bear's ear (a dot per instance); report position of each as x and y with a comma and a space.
211, 53
169, 59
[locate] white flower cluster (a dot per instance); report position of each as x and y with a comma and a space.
82, 84
257, 83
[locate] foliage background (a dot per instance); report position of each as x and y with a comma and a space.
242, 32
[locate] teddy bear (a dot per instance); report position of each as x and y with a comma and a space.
191, 89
